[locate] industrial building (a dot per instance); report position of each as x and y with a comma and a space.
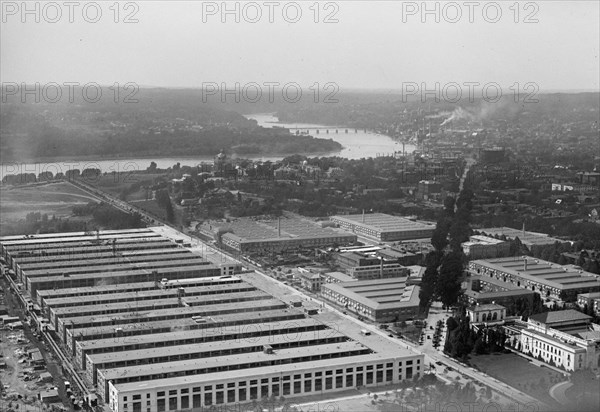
546, 278
252, 235
484, 247
169, 330
482, 290
379, 300
383, 227
534, 241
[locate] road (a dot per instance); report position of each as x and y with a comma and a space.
432, 355
436, 355
558, 393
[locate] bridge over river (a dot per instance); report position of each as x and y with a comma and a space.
325, 130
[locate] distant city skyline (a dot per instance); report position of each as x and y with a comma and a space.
377, 45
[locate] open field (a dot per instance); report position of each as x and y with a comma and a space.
51, 198
126, 184
519, 373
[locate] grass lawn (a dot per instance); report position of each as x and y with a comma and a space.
519, 373
588, 400
115, 183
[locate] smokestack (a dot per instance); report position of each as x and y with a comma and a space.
380, 267
363, 216
525, 265
523, 230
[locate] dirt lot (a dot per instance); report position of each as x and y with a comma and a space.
52, 198
20, 379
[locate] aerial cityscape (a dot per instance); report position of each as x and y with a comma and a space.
361, 206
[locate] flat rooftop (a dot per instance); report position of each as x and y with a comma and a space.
342, 349
133, 247
538, 270
112, 259
33, 241
146, 295
378, 294
188, 260
527, 238
292, 228
211, 331
145, 330
249, 345
110, 276
173, 301
282, 370
174, 313
381, 222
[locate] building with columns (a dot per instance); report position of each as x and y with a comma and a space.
490, 314
565, 338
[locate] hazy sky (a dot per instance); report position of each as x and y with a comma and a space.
369, 47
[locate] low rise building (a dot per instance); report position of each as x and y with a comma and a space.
336, 277
483, 247
379, 300
384, 227
546, 278
565, 339
489, 314
534, 241
264, 234
591, 300
309, 280
482, 290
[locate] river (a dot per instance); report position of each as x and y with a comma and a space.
356, 145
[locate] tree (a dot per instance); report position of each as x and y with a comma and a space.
428, 286
449, 203
480, 346
449, 279
439, 239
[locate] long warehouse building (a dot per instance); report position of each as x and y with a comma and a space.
383, 227
163, 328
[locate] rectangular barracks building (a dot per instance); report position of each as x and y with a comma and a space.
223, 380
181, 301
546, 278
380, 300
85, 322
225, 329
251, 346
211, 340
62, 297
133, 336
246, 235
382, 227
59, 261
